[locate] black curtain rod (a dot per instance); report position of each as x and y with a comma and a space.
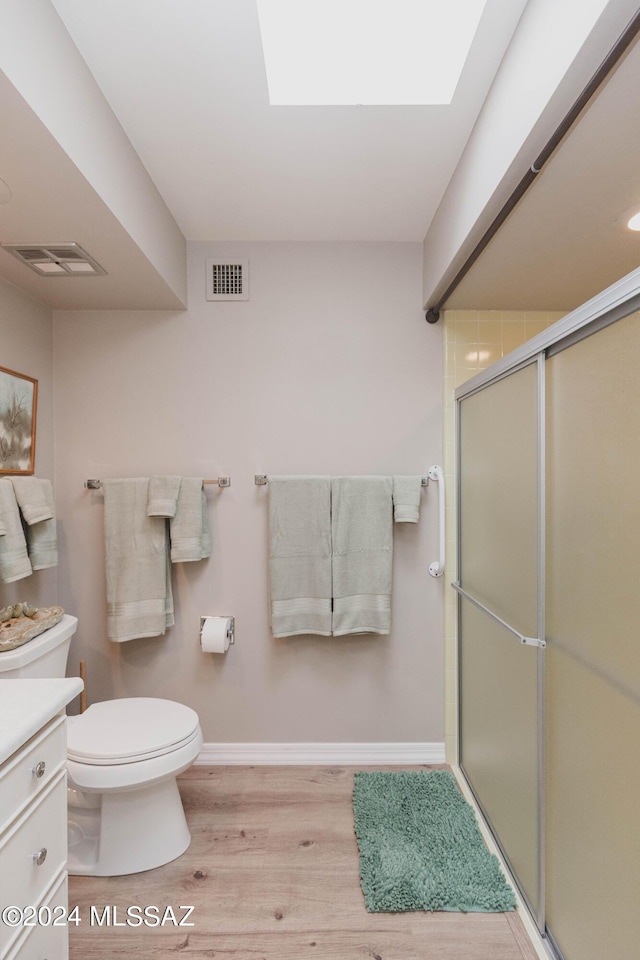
621, 45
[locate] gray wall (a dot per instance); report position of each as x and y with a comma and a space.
26, 345
328, 368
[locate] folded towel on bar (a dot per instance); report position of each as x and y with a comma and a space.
300, 555
163, 496
205, 548
42, 537
139, 598
14, 560
32, 499
406, 499
362, 534
189, 529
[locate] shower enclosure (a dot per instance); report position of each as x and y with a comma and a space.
549, 619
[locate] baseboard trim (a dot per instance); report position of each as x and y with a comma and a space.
311, 754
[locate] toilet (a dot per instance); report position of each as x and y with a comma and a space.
123, 757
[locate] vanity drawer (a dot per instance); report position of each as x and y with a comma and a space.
31, 769
41, 830
46, 941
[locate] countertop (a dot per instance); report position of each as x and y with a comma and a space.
26, 705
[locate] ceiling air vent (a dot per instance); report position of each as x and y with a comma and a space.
227, 279
56, 259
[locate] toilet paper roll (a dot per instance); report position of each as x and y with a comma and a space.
215, 633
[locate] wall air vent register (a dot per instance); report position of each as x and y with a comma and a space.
227, 279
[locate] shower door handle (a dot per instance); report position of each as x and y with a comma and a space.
436, 569
527, 641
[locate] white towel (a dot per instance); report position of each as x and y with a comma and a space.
32, 499
163, 496
362, 533
189, 529
14, 560
406, 499
42, 539
300, 555
139, 599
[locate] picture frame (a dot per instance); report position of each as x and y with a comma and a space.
18, 407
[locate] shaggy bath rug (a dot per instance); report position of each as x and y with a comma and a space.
421, 848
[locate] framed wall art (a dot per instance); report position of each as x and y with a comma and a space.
18, 402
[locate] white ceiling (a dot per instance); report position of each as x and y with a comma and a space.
51, 201
186, 81
562, 245
185, 78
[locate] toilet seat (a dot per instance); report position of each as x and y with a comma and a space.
130, 744
107, 777
131, 730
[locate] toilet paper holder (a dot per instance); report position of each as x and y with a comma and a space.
231, 628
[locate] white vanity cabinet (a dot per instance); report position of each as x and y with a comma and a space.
33, 818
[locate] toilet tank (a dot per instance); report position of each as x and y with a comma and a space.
44, 656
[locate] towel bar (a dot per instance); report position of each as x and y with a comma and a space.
220, 481
261, 480
436, 569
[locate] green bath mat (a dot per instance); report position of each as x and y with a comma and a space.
421, 848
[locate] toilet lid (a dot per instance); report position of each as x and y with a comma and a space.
122, 731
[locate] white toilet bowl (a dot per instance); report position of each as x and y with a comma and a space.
125, 811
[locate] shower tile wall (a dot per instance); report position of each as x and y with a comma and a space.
473, 340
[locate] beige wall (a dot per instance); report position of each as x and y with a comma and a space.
26, 339
329, 368
473, 340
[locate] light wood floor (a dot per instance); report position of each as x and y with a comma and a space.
272, 872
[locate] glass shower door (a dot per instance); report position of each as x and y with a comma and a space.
593, 653
500, 614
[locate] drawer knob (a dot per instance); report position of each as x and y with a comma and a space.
40, 856
38, 770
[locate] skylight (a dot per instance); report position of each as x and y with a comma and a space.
373, 52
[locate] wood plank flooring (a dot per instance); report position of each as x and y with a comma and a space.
273, 874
